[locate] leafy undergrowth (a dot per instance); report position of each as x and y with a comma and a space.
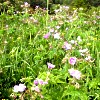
50, 57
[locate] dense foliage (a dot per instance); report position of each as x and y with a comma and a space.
55, 57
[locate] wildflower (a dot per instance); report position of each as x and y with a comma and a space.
72, 60
36, 88
26, 4
72, 41
36, 7
67, 46
66, 28
50, 66
56, 36
57, 27
22, 87
83, 51
19, 88
88, 58
36, 82
75, 73
46, 36
40, 81
66, 7
16, 88
45, 83
79, 39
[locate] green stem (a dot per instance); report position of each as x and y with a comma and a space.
47, 13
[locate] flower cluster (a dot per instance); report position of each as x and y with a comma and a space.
46, 36
72, 60
67, 46
75, 73
40, 82
19, 88
50, 66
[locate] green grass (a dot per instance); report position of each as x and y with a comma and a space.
24, 53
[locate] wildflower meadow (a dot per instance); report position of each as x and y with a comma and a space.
50, 56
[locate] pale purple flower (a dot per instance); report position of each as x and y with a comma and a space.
46, 36
16, 88
26, 4
50, 66
75, 73
19, 88
44, 83
36, 89
67, 46
40, 81
56, 36
36, 82
72, 60
22, 87
36, 7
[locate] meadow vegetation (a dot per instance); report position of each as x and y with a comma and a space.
50, 56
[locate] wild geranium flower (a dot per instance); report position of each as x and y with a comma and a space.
75, 73
46, 36
16, 88
50, 66
19, 88
36, 82
44, 83
56, 36
36, 88
72, 60
67, 46
40, 81
26, 4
